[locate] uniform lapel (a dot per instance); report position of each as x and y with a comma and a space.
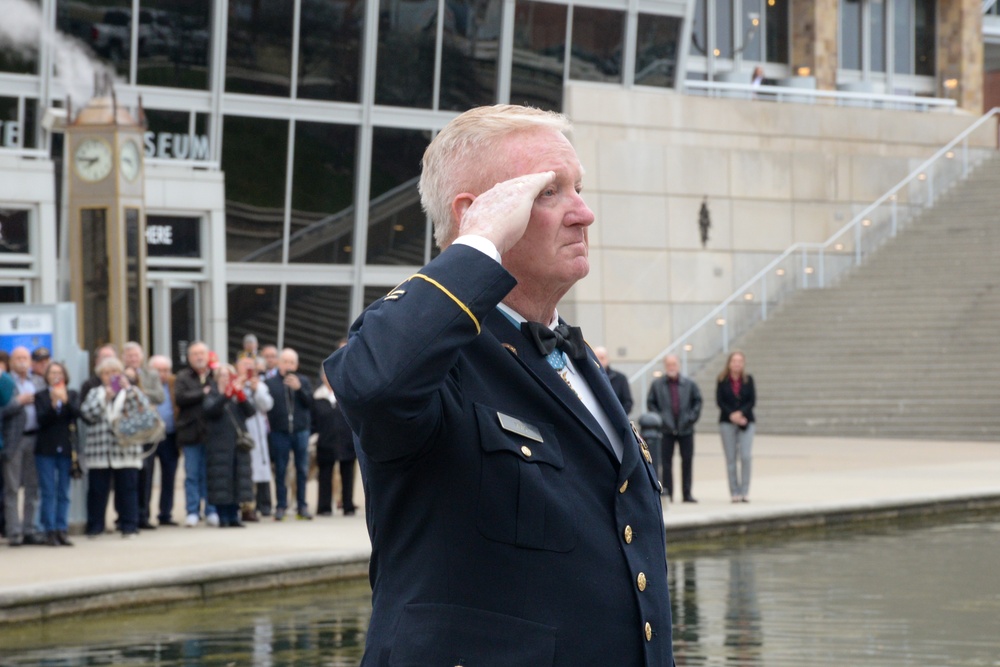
535, 364
591, 370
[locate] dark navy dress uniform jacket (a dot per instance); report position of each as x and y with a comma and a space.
504, 529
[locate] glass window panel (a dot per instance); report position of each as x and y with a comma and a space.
656, 50
850, 34
13, 231
405, 65
259, 47
330, 44
18, 131
95, 277
254, 156
598, 35
724, 28
776, 12
876, 11
923, 37
103, 25
11, 294
903, 36
315, 319
174, 43
21, 60
133, 275
753, 44
539, 49
469, 54
699, 29
396, 223
323, 193
252, 309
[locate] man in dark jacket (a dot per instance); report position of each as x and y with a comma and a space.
290, 424
619, 383
677, 400
514, 513
191, 386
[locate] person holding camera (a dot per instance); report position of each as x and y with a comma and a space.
58, 409
227, 466
107, 461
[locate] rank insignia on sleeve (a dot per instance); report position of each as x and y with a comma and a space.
510, 348
394, 295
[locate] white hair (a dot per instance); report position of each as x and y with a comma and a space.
462, 157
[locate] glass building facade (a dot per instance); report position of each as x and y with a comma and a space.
318, 112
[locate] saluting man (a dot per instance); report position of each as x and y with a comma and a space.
514, 512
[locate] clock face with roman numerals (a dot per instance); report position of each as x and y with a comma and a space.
92, 160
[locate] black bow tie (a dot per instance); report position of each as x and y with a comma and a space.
566, 338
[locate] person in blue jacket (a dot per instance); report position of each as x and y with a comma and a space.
514, 512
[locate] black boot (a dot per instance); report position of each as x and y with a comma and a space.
63, 538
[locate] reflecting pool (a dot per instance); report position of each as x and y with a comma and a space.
887, 595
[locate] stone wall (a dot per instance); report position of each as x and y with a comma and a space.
773, 174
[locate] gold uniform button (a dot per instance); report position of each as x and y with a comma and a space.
628, 534
641, 581
649, 632
526, 450
623, 487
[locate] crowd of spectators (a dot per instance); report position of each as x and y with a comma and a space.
234, 428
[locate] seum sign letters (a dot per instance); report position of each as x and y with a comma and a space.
174, 146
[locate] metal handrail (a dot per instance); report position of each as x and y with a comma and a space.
840, 97
865, 220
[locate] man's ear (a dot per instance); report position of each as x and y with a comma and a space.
459, 205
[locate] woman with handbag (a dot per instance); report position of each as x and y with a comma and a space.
228, 446
111, 459
58, 409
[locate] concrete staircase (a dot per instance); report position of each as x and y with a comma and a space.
907, 346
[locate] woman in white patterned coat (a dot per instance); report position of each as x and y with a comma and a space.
106, 460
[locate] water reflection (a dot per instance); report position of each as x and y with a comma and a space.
891, 597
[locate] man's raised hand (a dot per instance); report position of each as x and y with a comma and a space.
501, 213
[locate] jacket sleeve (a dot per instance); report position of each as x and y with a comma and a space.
92, 409
653, 398
214, 403
749, 396
262, 398
695, 402
394, 373
304, 395
44, 409
188, 391
152, 386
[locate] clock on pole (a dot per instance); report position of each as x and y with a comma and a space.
105, 192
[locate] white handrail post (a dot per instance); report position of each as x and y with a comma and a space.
725, 329
965, 157
821, 261
763, 298
857, 245
892, 216
930, 187
805, 278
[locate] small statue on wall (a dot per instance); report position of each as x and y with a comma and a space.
704, 221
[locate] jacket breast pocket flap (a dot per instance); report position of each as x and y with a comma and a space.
447, 635
532, 442
526, 498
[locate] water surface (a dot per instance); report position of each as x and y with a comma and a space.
886, 596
